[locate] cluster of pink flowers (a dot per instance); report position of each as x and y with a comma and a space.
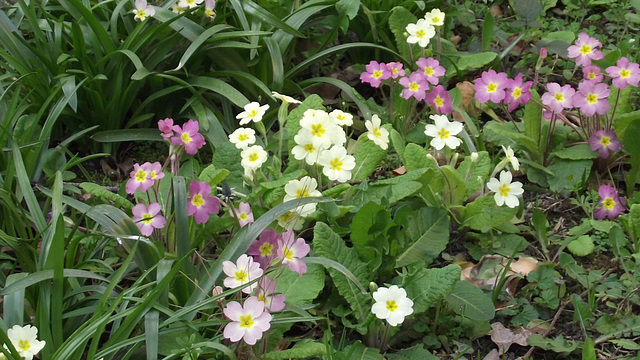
143, 177
498, 88
250, 320
188, 135
421, 84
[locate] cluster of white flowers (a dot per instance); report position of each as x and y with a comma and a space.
424, 30
253, 156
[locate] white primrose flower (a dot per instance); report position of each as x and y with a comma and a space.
188, 4
299, 189
177, 9
391, 304
252, 112
506, 191
323, 130
435, 17
292, 220
508, 152
243, 137
285, 98
25, 340
142, 10
252, 159
337, 164
420, 32
304, 148
341, 118
443, 132
377, 134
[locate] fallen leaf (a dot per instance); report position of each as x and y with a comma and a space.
468, 93
504, 337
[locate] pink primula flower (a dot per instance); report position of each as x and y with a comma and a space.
248, 322
264, 250
245, 270
200, 204
375, 74
265, 292
624, 73
491, 86
591, 98
517, 92
188, 136
291, 252
592, 73
140, 179
245, 216
558, 98
147, 219
396, 69
584, 50
415, 85
166, 126
440, 100
610, 205
604, 141
431, 69
153, 170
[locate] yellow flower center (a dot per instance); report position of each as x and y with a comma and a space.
559, 97
444, 133
253, 113
141, 14
336, 164
253, 157
287, 253
492, 87
517, 92
585, 49
317, 130
394, 70
377, 74
428, 71
420, 33
24, 345
302, 193
605, 141
286, 217
185, 138
197, 200
609, 203
152, 174
435, 20
147, 218
266, 249
439, 101
309, 148
376, 132
210, 13
141, 175
591, 75
624, 73
246, 321
414, 86
243, 137
392, 305
592, 98
242, 276
243, 216
504, 190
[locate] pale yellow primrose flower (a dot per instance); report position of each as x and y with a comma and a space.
322, 129
435, 17
443, 132
341, 118
377, 134
188, 4
299, 189
506, 191
508, 153
142, 10
252, 159
337, 164
304, 148
252, 112
420, 32
392, 304
285, 98
243, 137
25, 340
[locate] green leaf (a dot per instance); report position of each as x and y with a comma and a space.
328, 244
632, 147
369, 246
429, 286
227, 156
475, 172
347, 91
260, 13
428, 233
213, 176
393, 190
506, 134
558, 344
301, 290
368, 156
565, 35
527, 9
127, 135
574, 270
195, 44
487, 30
360, 352
475, 60
634, 221
471, 302
101, 192
483, 214
415, 157
417, 352
569, 174
348, 7
576, 152
533, 118
31, 279
399, 18
398, 143
221, 88
589, 350
301, 350
626, 344
582, 246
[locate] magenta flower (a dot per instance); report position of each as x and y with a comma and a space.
440, 100
245, 270
612, 205
558, 98
625, 73
584, 50
517, 92
200, 204
147, 219
153, 170
166, 126
245, 216
264, 250
265, 292
592, 73
431, 69
292, 252
376, 72
604, 141
248, 322
188, 136
415, 85
591, 98
139, 179
396, 69
491, 86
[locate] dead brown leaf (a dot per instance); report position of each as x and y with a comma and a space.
504, 337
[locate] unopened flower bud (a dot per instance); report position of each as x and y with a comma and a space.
474, 156
543, 52
217, 291
373, 287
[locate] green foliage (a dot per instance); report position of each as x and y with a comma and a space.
582, 246
471, 302
429, 286
427, 235
632, 146
483, 214
417, 352
368, 156
399, 18
99, 191
301, 350
368, 233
